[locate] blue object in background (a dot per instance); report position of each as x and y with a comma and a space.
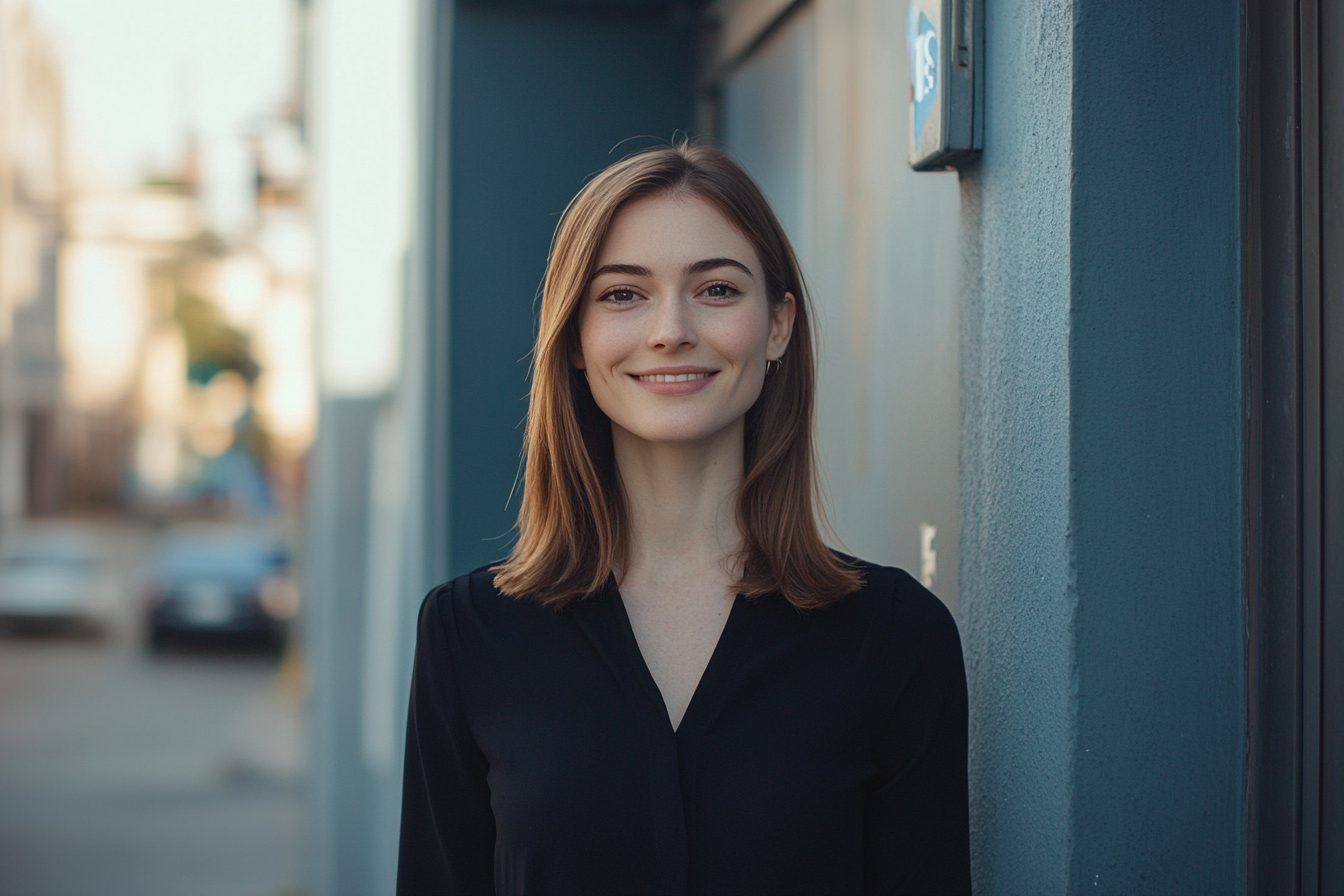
922, 50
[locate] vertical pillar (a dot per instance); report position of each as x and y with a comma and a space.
1018, 599
1101, 451
342, 798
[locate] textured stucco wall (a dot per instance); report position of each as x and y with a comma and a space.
1101, 541
1018, 600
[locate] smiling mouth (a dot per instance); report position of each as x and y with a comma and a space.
671, 377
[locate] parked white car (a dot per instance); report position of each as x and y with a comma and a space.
55, 577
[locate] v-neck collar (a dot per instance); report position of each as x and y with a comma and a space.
703, 688
605, 620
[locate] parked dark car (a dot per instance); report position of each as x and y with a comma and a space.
213, 581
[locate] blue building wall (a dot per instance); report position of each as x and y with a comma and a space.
1156, 447
1018, 596
542, 98
1101, 455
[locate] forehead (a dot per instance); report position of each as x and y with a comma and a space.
676, 228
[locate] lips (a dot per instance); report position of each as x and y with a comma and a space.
674, 381
670, 377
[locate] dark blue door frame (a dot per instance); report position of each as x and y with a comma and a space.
1294, 392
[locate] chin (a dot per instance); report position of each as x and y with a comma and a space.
664, 435
671, 431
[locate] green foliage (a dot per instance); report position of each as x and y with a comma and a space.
212, 345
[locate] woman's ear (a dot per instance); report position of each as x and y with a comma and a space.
781, 326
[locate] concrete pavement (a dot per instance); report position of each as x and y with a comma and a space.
123, 773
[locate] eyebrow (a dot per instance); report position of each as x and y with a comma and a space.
710, 264
697, 267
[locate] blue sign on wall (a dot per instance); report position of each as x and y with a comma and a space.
944, 40
921, 40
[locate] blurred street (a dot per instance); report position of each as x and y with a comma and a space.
123, 772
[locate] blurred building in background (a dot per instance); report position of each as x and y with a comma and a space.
124, 252
148, 363
157, 404
33, 206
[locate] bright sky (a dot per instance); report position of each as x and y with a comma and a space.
139, 71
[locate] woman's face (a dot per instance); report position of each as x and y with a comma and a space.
675, 327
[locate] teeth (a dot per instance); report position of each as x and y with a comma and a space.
673, 377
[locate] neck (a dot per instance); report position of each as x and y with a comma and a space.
682, 499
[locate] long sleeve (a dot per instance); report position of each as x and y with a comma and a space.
447, 827
917, 829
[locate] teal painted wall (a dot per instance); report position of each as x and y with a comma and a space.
1156, 447
1018, 597
1101, 453
541, 96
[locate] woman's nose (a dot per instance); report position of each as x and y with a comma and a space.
671, 326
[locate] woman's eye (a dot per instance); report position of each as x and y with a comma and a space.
620, 296
721, 291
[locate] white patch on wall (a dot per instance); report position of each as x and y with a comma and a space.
928, 557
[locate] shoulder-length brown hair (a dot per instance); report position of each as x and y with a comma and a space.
573, 524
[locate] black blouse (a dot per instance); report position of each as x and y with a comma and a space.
822, 752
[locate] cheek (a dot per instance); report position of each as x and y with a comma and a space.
742, 337
600, 343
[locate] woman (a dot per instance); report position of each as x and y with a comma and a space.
672, 685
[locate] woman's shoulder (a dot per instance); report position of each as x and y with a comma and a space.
470, 603
474, 586
892, 592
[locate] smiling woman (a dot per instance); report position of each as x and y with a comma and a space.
638, 321
672, 684
672, 259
